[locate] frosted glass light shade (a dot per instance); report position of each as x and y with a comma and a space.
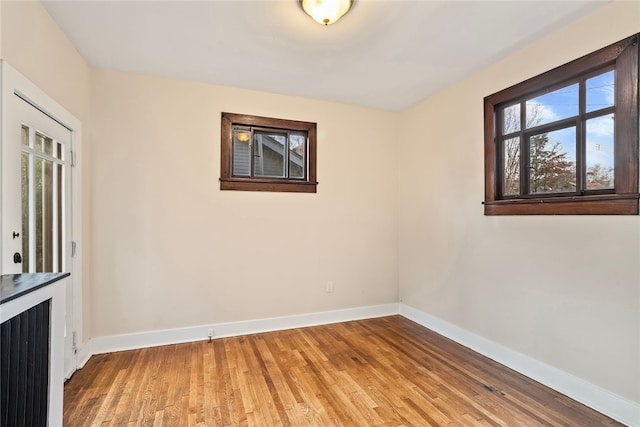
326, 12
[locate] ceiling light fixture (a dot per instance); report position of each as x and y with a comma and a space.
326, 12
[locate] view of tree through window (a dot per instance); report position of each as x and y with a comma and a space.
552, 156
571, 132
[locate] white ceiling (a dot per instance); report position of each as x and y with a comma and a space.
383, 54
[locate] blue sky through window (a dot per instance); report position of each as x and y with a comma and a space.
563, 103
600, 93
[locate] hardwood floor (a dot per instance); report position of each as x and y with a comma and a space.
384, 371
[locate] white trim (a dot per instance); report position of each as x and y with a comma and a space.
113, 343
13, 81
85, 351
601, 400
588, 394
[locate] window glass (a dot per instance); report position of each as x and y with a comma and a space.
267, 154
599, 152
241, 152
44, 144
552, 156
25, 209
511, 119
566, 142
600, 91
44, 214
511, 156
297, 145
25, 135
553, 106
269, 151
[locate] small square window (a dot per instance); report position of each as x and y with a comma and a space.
266, 154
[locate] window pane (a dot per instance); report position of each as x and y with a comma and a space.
599, 152
25, 136
39, 142
511, 119
297, 155
25, 211
241, 152
48, 146
600, 91
553, 106
43, 214
44, 144
269, 154
511, 156
552, 157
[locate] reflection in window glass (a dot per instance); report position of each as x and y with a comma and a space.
599, 152
552, 158
511, 119
511, 156
269, 154
557, 105
600, 91
297, 146
241, 153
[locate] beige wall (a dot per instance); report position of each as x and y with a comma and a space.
172, 250
563, 290
398, 207
33, 44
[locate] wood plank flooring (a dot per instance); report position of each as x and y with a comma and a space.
386, 371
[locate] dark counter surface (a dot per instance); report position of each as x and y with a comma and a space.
16, 285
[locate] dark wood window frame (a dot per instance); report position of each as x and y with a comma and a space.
623, 199
228, 181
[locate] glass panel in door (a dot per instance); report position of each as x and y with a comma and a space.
42, 203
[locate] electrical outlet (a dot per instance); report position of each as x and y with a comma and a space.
329, 287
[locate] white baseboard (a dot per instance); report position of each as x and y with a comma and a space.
84, 353
108, 344
604, 401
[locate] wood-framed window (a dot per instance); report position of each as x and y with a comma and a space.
566, 141
267, 154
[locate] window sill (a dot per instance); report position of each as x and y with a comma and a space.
608, 204
272, 185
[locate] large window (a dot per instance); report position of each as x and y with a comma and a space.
566, 141
265, 154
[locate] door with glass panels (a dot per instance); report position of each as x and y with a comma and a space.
36, 217
43, 195
36, 199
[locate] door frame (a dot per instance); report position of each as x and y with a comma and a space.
13, 83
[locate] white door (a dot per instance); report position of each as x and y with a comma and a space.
36, 198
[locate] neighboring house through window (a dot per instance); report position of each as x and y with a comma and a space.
266, 154
566, 141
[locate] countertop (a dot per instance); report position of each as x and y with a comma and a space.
16, 285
